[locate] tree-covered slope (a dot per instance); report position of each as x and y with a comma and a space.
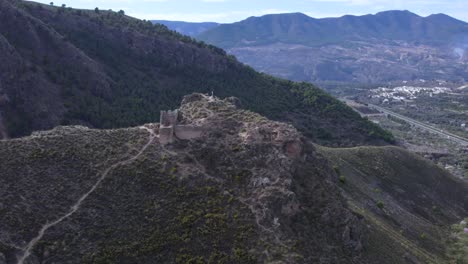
103, 69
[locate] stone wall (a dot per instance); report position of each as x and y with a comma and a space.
166, 135
169, 118
169, 130
188, 132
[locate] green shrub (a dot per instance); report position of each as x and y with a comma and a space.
342, 179
380, 204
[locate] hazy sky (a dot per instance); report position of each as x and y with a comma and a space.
234, 10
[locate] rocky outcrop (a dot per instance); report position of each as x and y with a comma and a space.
288, 188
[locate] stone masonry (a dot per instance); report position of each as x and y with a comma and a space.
169, 130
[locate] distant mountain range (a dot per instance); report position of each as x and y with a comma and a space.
387, 46
297, 28
187, 28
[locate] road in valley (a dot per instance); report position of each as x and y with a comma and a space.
453, 137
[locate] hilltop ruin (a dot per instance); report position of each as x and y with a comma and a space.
170, 130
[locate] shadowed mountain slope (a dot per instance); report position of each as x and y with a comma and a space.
409, 203
103, 69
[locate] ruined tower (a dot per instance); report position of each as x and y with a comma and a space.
170, 130
168, 121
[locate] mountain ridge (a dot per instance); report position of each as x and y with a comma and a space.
106, 70
347, 27
390, 46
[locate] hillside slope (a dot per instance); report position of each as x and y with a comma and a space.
409, 203
106, 70
240, 193
387, 46
247, 190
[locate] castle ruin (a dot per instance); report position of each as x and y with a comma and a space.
170, 130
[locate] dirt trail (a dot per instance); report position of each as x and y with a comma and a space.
26, 251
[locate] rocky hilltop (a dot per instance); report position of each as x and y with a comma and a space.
244, 190
247, 190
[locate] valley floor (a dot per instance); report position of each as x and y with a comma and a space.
445, 149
